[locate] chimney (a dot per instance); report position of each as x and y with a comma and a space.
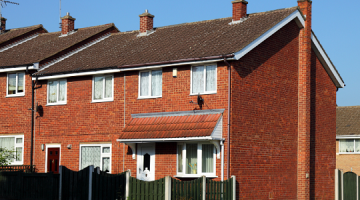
239, 9
146, 22
304, 103
3, 25
67, 24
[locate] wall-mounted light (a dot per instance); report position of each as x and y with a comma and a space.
174, 72
42, 147
69, 146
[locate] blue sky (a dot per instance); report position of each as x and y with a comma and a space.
336, 23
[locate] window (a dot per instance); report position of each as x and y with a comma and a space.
56, 92
203, 79
16, 84
150, 84
97, 155
103, 88
349, 146
16, 144
194, 160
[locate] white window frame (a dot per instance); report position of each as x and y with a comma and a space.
57, 92
150, 76
354, 146
15, 146
7, 85
46, 153
199, 162
102, 155
205, 92
93, 87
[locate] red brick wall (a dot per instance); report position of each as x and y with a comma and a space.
323, 132
67, 25
239, 10
264, 118
146, 23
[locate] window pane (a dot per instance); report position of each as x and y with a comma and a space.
346, 145
21, 82
144, 84
191, 158
180, 155
357, 146
207, 158
90, 156
52, 91
106, 150
108, 87
197, 79
12, 84
211, 78
18, 153
18, 140
98, 87
7, 143
106, 164
156, 83
62, 90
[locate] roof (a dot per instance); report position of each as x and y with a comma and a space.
18, 32
46, 45
348, 120
189, 40
200, 125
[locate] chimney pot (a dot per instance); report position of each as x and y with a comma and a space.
67, 24
146, 21
239, 9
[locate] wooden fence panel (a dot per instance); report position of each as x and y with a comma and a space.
186, 189
108, 186
75, 185
216, 189
146, 190
350, 186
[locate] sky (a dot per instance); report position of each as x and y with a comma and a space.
335, 23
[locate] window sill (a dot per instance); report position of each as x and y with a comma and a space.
100, 101
149, 97
350, 153
15, 95
56, 104
194, 176
203, 93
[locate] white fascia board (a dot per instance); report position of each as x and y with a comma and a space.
295, 15
13, 69
108, 71
330, 68
347, 136
148, 140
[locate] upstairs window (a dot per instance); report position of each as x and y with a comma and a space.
150, 83
56, 92
349, 146
16, 84
103, 88
203, 79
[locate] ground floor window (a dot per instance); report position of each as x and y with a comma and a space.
15, 144
349, 146
98, 155
194, 159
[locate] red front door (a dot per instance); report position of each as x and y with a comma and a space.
53, 160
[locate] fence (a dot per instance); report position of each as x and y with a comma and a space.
23, 168
154, 190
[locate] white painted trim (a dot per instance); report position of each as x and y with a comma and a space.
103, 99
295, 15
205, 92
91, 73
14, 69
21, 94
46, 154
102, 155
148, 140
348, 137
327, 63
15, 146
57, 95
61, 58
19, 42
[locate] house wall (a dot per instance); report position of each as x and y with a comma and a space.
323, 132
264, 107
347, 162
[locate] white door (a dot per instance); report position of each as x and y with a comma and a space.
146, 162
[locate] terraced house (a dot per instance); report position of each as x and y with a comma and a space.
252, 95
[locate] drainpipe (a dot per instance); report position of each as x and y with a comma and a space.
33, 83
228, 133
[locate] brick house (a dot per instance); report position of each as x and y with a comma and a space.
252, 95
347, 138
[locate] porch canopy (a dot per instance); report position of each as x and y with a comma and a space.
196, 125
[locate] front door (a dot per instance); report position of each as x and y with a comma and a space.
146, 162
53, 160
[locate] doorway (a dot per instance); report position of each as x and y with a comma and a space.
53, 160
146, 162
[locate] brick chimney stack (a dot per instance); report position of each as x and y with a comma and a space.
304, 103
67, 24
146, 22
239, 9
3, 25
